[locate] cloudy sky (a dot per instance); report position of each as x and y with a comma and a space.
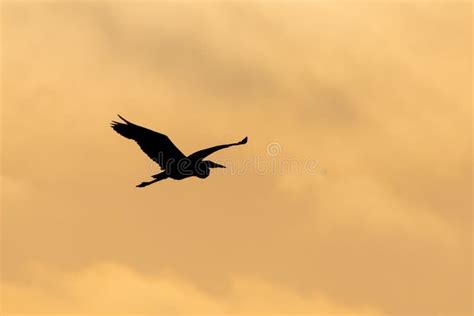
352, 197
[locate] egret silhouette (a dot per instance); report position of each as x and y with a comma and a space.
172, 161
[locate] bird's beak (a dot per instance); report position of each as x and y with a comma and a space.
215, 165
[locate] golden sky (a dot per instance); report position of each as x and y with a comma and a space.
375, 95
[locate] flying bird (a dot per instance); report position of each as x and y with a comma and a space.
173, 163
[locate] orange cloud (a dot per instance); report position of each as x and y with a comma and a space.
378, 94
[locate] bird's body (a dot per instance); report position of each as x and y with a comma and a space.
173, 162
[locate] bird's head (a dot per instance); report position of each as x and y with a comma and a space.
203, 168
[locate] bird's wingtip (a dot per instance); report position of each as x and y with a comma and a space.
244, 141
121, 117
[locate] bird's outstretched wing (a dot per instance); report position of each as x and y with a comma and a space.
201, 154
157, 146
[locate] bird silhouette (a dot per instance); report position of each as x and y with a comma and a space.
173, 163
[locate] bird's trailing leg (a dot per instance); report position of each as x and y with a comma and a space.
157, 177
144, 184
